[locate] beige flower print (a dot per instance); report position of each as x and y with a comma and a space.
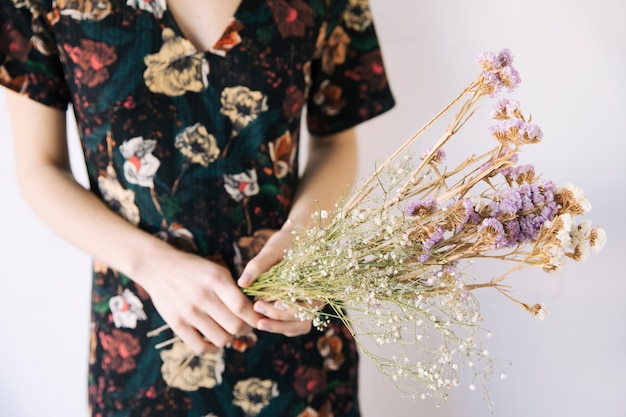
85, 9
185, 370
251, 395
156, 7
121, 200
197, 145
177, 68
242, 106
358, 15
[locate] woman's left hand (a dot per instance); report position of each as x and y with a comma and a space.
279, 318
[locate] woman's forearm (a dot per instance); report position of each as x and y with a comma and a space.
45, 180
329, 175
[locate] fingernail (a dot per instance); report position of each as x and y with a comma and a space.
263, 326
244, 279
279, 305
259, 308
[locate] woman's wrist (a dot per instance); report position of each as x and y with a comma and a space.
140, 265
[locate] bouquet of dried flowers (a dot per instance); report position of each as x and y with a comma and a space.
395, 253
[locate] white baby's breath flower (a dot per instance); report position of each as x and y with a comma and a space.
597, 239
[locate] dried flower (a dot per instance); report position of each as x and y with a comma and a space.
396, 254
392, 258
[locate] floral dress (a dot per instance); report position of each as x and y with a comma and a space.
201, 150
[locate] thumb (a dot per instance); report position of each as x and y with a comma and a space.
272, 253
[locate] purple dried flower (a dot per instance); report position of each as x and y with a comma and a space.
531, 133
487, 60
510, 78
434, 237
525, 192
471, 216
505, 109
507, 203
421, 207
494, 82
498, 71
492, 231
504, 58
438, 157
513, 232
519, 174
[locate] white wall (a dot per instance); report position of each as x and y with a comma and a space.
572, 59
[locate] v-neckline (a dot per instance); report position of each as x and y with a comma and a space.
173, 24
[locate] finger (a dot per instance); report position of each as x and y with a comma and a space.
276, 310
290, 328
272, 253
228, 320
211, 331
235, 301
192, 338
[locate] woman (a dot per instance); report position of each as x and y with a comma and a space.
189, 116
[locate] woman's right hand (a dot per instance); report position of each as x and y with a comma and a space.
198, 299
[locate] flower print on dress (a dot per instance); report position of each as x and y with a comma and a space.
229, 39
242, 185
329, 98
330, 346
85, 9
335, 50
358, 15
247, 247
177, 68
156, 7
92, 59
179, 237
197, 145
309, 381
371, 72
140, 165
121, 348
283, 153
121, 200
200, 370
242, 106
293, 103
292, 18
19, 82
126, 309
243, 343
252, 395
15, 42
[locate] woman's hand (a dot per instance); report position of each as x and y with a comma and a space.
331, 167
198, 299
277, 317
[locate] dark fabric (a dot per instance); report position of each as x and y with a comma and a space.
200, 149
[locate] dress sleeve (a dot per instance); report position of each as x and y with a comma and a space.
348, 79
29, 59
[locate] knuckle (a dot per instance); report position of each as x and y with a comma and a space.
203, 348
239, 328
187, 310
222, 340
237, 305
176, 323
